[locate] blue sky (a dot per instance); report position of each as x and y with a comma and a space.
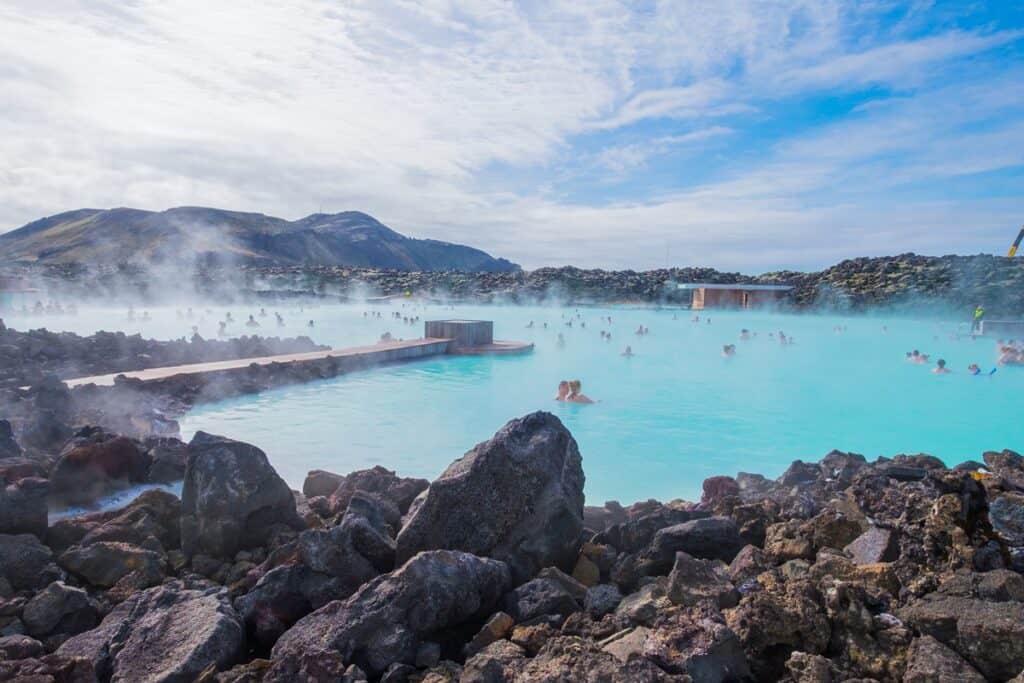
743, 135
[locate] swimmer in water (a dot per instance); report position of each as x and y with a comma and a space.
628, 352
744, 334
940, 367
575, 393
309, 324
563, 390
729, 350
251, 322
561, 341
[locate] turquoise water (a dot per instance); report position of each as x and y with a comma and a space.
669, 417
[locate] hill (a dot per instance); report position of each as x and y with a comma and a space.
215, 236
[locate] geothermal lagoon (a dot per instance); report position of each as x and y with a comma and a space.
669, 417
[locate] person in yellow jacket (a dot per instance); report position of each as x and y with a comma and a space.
979, 313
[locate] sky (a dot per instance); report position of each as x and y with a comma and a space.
752, 136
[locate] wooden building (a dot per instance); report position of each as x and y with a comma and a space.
704, 295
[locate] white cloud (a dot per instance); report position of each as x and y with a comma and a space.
455, 120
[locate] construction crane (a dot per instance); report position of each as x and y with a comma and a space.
1016, 243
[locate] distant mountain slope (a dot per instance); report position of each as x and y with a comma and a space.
122, 235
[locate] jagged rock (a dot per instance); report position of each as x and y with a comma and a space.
498, 626
517, 498
602, 600
873, 546
9, 448
105, 563
55, 667
808, 668
772, 623
491, 662
712, 538
1008, 466
167, 633
284, 595
693, 580
636, 534
699, 646
25, 563
989, 635
232, 498
748, 563
1006, 513
168, 458
23, 507
379, 481
59, 608
19, 647
643, 606
929, 661
321, 483
385, 620
540, 597
569, 658
576, 589
95, 462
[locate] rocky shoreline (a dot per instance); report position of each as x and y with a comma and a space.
905, 281
895, 570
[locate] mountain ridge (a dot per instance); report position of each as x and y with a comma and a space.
211, 235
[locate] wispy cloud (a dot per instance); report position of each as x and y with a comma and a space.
501, 124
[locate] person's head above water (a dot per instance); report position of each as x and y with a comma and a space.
563, 390
575, 386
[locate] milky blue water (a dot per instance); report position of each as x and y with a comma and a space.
667, 418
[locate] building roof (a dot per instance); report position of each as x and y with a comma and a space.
736, 286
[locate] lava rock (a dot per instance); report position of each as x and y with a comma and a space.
23, 507
59, 608
386, 620
9, 448
873, 546
104, 564
693, 580
538, 598
232, 498
94, 463
517, 498
167, 633
929, 661
25, 563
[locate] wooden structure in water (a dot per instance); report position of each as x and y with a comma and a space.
706, 295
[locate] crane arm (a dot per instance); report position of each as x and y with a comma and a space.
1016, 243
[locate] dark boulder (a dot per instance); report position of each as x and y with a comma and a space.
105, 563
53, 668
321, 483
284, 595
94, 463
23, 507
168, 459
59, 608
929, 661
9, 448
25, 563
168, 633
714, 538
384, 483
232, 498
538, 598
989, 635
873, 546
386, 620
517, 498
636, 534
19, 647
693, 581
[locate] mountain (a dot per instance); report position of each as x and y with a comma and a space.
190, 234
